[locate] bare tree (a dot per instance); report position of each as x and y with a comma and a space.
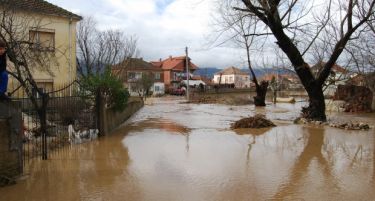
143, 84
295, 34
362, 56
27, 55
241, 29
99, 50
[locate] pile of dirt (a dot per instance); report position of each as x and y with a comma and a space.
341, 125
221, 100
257, 121
351, 126
357, 98
204, 100
237, 101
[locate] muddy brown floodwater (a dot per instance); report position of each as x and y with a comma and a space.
173, 151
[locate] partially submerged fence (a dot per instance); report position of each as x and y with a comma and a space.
70, 118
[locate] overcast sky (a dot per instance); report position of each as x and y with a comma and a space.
163, 27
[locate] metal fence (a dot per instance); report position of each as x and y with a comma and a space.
71, 119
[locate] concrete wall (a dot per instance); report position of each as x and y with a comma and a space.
113, 119
11, 164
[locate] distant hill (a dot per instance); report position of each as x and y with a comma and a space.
210, 71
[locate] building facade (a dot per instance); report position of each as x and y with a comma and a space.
232, 75
131, 72
49, 29
174, 69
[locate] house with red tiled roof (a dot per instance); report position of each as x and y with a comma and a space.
284, 81
131, 70
174, 69
232, 75
338, 75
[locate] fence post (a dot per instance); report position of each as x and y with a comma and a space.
43, 125
100, 112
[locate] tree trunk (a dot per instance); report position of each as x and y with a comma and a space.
317, 107
274, 96
261, 90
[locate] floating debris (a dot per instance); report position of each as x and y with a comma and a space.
257, 121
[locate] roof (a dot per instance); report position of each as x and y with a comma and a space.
175, 63
40, 6
136, 64
335, 68
231, 71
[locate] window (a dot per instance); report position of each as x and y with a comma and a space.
157, 76
138, 75
218, 79
44, 86
42, 39
132, 76
230, 79
157, 88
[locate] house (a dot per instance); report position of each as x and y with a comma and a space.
357, 79
338, 75
49, 29
232, 75
133, 69
285, 81
174, 70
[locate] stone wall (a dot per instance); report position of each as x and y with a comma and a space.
357, 98
112, 119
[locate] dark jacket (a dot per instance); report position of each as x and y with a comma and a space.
3, 62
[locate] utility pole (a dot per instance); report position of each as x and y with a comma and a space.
187, 74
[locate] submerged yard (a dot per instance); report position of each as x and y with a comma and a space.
171, 150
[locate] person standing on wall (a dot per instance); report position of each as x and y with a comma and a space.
3, 72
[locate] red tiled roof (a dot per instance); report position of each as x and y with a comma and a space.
231, 71
39, 6
335, 68
289, 77
157, 63
136, 64
175, 63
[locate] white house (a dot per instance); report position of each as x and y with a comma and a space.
338, 75
232, 75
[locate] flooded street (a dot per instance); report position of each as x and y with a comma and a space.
186, 152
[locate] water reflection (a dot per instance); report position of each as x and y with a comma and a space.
297, 174
84, 171
189, 153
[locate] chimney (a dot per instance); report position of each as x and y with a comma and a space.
160, 60
170, 57
141, 58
